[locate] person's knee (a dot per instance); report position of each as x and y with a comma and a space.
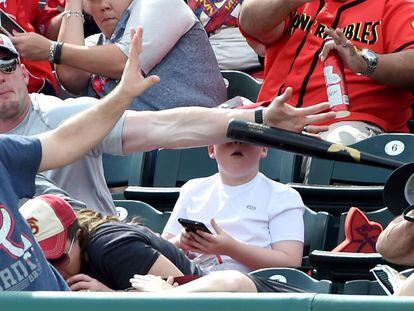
349, 132
234, 281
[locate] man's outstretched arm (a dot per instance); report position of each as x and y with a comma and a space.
81, 133
197, 126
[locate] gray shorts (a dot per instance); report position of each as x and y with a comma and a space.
266, 285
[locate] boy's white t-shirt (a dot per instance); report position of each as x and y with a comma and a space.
260, 212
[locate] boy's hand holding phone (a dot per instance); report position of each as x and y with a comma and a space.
202, 242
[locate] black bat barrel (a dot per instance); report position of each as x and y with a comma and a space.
264, 135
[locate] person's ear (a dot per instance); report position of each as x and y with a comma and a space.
211, 153
25, 73
263, 154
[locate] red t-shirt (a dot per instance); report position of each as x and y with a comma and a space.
32, 17
384, 26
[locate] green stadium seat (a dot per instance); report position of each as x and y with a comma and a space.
398, 147
241, 84
318, 226
147, 215
174, 167
363, 287
295, 277
123, 171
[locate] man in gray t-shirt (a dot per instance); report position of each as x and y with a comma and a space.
84, 179
46, 186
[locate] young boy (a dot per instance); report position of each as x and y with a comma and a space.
258, 222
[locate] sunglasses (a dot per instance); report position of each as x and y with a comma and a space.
406, 213
8, 64
63, 260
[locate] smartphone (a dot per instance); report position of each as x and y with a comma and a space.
193, 226
8, 24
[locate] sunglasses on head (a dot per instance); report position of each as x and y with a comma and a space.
64, 259
8, 64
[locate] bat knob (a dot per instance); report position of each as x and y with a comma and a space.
399, 189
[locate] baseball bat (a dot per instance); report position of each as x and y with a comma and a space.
260, 134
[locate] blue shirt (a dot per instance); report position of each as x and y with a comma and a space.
23, 266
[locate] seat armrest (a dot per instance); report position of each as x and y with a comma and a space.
162, 198
342, 267
336, 199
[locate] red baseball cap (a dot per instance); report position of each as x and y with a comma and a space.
49, 217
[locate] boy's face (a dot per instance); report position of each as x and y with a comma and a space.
237, 161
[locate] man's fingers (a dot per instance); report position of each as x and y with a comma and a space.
314, 129
283, 98
328, 47
148, 82
341, 35
170, 280
136, 45
321, 117
79, 286
314, 109
78, 278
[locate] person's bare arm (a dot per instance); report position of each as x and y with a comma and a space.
281, 254
218, 281
197, 126
395, 243
395, 69
164, 268
53, 28
78, 61
174, 239
264, 19
79, 134
73, 79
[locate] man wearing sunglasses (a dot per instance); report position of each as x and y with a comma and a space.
135, 131
22, 264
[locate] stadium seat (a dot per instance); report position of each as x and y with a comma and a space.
342, 267
318, 226
337, 199
363, 287
349, 266
382, 216
398, 147
295, 277
366, 287
174, 167
123, 171
239, 83
147, 215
